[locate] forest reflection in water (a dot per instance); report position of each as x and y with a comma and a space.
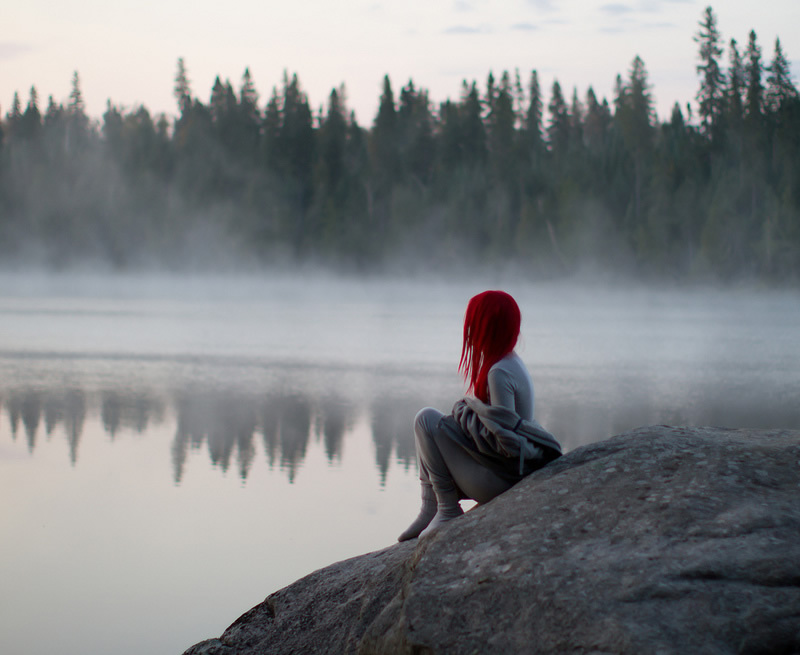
228, 423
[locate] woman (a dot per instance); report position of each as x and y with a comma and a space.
491, 441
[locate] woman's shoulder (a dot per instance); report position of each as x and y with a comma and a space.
508, 364
511, 368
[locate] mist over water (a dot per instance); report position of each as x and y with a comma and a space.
177, 448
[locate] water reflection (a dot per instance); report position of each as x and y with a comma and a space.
391, 425
30, 407
226, 423
229, 423
134, 411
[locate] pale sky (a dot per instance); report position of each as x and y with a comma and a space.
127, 51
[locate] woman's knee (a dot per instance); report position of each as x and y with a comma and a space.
426, 420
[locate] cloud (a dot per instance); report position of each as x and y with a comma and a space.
661, 25
524, 27
9, 49
616, 9
657, 6
542, 5
467, 29
612, 29
463, 5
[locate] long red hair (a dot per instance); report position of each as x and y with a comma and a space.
491, 330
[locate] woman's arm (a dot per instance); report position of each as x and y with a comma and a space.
502, 389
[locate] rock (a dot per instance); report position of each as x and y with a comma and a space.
660, 540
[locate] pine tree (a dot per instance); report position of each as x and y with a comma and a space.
182, 90
640, 104
14, 116
519, 99
735, 88
711, 93
296, 139
596, 124
558, 130
449, 141
271, 131
31, 123
491, 92
248, 120
501, 121
333, 144
112, 130
384, 146
76, 104
780, 88
78, 124
218, 103
754, 92
16, 108
635, 118
415, 134
330, 176
532, 124
473, 130
248, 96
576, 117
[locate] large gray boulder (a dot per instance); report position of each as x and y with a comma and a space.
660, 540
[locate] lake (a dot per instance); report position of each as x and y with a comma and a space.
174, 449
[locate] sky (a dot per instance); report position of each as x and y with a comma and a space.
126, 51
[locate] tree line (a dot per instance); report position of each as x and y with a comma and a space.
502, 175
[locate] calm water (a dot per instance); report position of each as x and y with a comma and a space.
174, 450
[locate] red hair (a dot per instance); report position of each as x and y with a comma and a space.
491, 330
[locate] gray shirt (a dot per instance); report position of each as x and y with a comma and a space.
510, 386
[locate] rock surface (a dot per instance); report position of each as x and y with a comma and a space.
660, 540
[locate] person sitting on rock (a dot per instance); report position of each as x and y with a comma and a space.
490, 441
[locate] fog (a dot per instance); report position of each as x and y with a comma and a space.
604, 355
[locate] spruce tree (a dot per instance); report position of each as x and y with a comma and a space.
449, 141
415, 134
502, 120
754, 92
735, 88
780, 88
332, 146
532, 124
711, 93
31, 122
76, 104
248, 119
558, 130
78, 124
182, 89
596, 124
635, 118
384, 144
473, 129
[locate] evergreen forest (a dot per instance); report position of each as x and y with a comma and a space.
508, 174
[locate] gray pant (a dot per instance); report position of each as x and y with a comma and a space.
446, 465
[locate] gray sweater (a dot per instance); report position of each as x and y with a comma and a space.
503, 435
510, 386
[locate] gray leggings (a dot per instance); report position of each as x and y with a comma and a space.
444, 463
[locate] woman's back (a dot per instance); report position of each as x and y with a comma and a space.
510, 386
